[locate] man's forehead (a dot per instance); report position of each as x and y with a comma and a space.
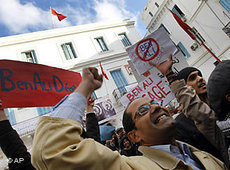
194, 72
137, 102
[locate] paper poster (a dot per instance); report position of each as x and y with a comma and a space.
103, 108
153, 88
153, 49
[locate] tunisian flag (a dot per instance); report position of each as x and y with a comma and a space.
189, 31
102, 71
60, 16
183, 25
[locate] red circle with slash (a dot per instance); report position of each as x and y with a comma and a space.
151, 40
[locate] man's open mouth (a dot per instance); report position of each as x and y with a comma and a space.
202, 85
161, 117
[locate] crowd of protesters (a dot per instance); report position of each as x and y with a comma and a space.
121, 143
196, 137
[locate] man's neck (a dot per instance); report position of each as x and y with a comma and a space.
203, 97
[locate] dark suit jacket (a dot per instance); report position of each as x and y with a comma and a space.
187, 131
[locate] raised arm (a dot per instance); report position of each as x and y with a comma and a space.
92, 126
73, 106
193, 107
57, 142
12, 145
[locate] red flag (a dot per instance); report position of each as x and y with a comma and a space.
183, 25
60, 16
102, 71
189, 31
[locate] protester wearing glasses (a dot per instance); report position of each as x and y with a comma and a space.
58, 145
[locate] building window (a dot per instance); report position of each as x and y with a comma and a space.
44, 110
124, 39
68, 51
226, 29
157, 5
10, 115
177, 11
225, 4
101, 43
150, 13
119, 80
183, 50
30, 56
162, 26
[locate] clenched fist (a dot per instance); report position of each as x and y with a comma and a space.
91, 81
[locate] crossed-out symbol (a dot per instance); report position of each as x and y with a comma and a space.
145, 47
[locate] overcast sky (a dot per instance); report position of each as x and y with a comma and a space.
23, 16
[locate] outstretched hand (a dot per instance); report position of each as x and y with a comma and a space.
91, 81
166, 66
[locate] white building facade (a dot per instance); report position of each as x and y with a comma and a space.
74, 48
211, 18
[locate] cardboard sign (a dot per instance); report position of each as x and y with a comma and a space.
24, 84
153, 88
179, 62
103, 108
154, 49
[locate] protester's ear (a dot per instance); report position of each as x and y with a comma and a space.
228, 97
133, 137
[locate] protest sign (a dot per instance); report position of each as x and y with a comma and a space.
154, 49
103, 108
24, 84
153, 88
179, 62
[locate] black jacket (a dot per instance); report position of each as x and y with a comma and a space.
14, 148
187, 132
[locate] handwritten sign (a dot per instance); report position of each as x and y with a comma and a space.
24, 84
154, 49
153, 88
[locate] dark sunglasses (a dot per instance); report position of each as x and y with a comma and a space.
143, 109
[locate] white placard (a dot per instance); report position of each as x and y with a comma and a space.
154, 49
153, 87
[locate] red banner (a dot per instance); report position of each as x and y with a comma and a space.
24, 84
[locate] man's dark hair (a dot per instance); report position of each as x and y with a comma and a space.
128, 122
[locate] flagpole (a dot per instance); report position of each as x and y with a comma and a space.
52, 18
210, 52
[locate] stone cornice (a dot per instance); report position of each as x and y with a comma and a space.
59, 32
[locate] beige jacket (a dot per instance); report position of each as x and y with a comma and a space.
57, 145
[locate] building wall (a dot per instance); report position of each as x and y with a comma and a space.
207, 17
47, 47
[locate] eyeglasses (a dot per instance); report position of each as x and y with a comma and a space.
143, 109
